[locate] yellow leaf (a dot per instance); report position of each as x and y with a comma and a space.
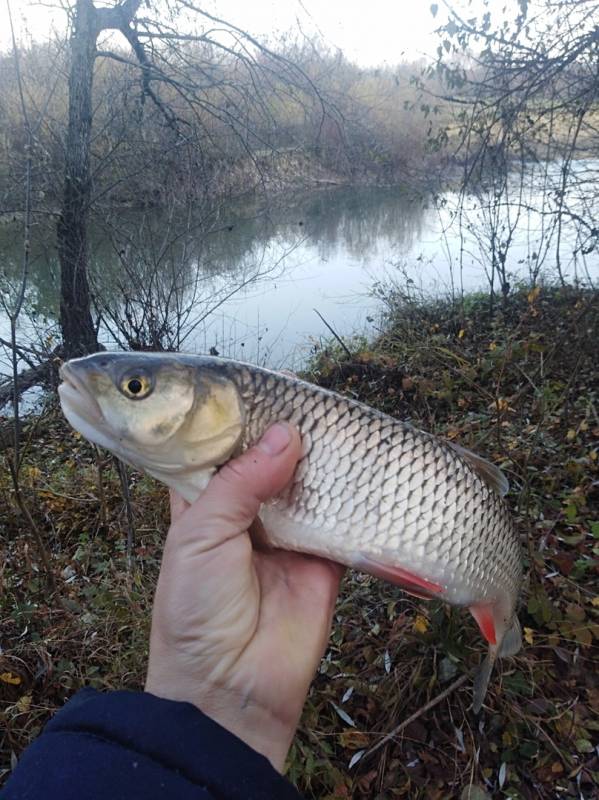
23, 704
571, 435
595, 601
420, 624
528, 635
461, 333
354, 740
493, 346
8, 677
533, 294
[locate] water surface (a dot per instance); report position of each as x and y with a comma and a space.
245, 280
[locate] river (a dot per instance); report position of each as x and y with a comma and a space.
246, 280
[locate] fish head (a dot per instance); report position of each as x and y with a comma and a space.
159, 412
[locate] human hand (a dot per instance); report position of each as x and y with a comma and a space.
238, 632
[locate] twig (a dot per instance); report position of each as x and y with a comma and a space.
335, 334
122, 470
101, 493
41, 547
426, 707
15, 311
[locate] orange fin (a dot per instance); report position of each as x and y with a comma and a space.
408, 581
483, 614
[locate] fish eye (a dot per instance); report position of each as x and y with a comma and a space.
136, 386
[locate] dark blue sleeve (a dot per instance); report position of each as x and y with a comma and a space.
130, 745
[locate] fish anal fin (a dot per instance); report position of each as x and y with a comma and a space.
410, 582
490, 474
483, 614
512, 641
481, 681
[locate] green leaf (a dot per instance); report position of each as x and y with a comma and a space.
571, 513
474, 793
584, 746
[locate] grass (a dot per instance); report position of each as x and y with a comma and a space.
520, 388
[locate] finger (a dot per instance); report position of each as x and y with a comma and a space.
233, 497
178, 505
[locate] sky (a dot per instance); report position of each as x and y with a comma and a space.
370, 32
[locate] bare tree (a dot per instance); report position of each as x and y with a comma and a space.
525, 81
177, 79
13, 311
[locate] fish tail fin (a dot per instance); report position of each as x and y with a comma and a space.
512, 640
481, 680
509, 645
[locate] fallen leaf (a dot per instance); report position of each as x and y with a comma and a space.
420, 624
344, 715
474, 793
528, 635
355, 758
354, 740
23, 704
8, 677
533, 294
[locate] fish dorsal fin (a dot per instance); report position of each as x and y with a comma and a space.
490, 474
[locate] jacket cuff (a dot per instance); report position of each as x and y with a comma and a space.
177, 736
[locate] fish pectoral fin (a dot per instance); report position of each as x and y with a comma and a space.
410, 582
490, 474
512, 641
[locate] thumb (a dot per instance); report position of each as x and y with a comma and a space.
232, 499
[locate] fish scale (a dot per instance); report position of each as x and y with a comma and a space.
395, 470
370, 491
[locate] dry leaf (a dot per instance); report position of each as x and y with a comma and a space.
420, 624
528, 635
8, 677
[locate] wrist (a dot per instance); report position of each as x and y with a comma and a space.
256, 726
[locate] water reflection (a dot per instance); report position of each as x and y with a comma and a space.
159, 276
243, 279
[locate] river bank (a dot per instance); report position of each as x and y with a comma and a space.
520, 388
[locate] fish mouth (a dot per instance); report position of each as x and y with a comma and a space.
81, 408
76, 397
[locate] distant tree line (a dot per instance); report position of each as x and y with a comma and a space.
361, 124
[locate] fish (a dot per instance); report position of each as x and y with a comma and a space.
370, 491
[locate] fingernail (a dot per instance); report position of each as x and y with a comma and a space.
275, 440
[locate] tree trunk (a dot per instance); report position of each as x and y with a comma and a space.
78, 331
